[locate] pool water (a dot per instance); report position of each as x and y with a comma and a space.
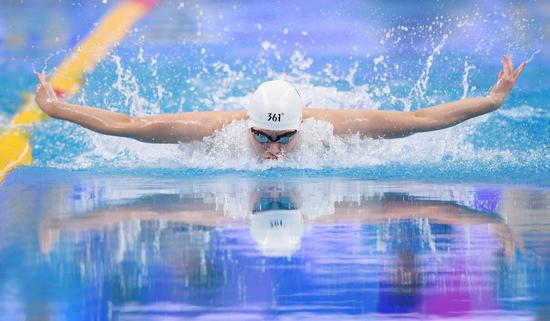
448, 224
92, 246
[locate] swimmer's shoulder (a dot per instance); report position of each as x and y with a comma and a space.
203, 116
334, 114
326, 114
231, 114
221, 118
196, 125
344, 121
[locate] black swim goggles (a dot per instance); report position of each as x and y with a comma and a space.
264, 138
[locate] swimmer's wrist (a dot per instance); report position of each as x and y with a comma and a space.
495, 101
45, 104
51, 108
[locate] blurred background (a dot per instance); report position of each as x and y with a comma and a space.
350, 27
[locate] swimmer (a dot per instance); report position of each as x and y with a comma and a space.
274, 115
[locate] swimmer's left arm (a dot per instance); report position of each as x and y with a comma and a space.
395, 124
161, 129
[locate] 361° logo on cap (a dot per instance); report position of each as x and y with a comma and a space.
274, 117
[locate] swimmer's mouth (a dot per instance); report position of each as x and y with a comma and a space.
272, 156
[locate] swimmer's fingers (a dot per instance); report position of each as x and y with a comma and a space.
506, 81
504, 66
509, 66
49, 90
519, 70
41, 78
41, 89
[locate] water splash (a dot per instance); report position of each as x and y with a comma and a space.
532, 56
421, 86
524, 112
465, 83
229, 148
127, 86
218, 92
385, 79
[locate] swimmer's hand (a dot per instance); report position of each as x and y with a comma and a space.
45, 96
506, 81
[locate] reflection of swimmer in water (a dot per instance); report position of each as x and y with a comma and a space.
278, 216
274, 115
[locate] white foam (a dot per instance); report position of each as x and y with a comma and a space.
465, 83
421, 86
523, 112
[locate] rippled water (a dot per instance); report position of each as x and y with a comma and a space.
83, 245
452, 224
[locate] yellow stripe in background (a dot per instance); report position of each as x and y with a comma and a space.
15, 150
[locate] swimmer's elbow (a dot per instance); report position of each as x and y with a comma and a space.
421, 123
401, 125
130, 127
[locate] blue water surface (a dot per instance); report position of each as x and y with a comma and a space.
450, 224
127, 246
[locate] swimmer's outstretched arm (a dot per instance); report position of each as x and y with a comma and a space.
163, 129
395, 124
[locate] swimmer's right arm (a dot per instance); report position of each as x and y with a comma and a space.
162, 129
396, 124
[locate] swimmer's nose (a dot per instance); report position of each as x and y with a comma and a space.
274, 148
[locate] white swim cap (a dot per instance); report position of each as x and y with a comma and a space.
275, 105
278, 233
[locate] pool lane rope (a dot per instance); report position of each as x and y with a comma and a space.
15, 150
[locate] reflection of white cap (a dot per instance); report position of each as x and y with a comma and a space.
277, 233
275, 105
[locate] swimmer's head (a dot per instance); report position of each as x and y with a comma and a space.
276, 105
274, 117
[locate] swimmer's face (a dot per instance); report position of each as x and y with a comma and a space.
272, 149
